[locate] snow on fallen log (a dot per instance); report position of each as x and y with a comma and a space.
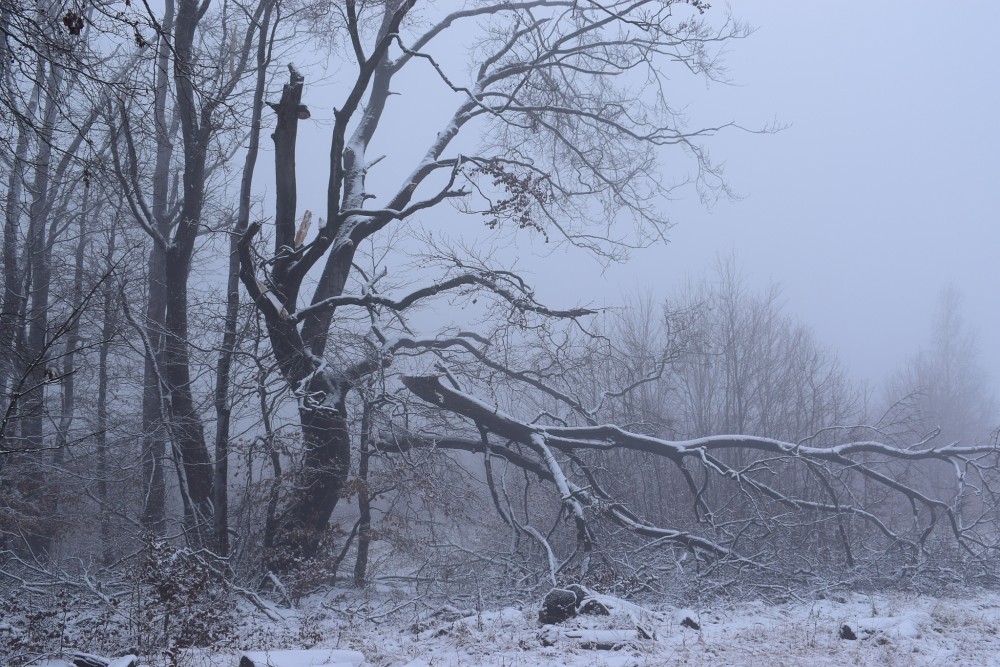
896, 627
91, 660
302, 658
592, 618
506, 617
125, 661
604, 640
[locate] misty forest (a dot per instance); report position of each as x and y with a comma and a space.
300, 361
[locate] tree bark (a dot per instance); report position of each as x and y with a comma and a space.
68, 378
364, 497
322, 396
194, 467
36, 358
153, 436
325, 464
223, 407
107, 334
15, 285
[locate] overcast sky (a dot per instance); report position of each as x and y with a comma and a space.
882, 190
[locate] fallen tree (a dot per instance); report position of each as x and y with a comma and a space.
854, 491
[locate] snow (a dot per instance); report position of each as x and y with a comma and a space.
907, 626
305, 658
891, 629
509, 616
895, 630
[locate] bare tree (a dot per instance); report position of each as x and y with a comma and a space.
728, 532
214, 59
950, 386
51, 115
563, 156
721, 429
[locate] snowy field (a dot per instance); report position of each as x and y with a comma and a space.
896, 629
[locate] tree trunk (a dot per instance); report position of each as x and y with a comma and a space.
36, 369
153, 437
222, 400
326, 439
223, 409
318, 483
73, 339
107, 334
14, 295
194, 467
364, 497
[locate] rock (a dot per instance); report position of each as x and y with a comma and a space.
688, 622
847, 633
559, 605
580, 592
594, 607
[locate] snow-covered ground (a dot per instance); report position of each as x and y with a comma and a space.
891, 629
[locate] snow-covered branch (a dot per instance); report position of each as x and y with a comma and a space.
846, 474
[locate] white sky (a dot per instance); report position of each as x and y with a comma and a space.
883, 189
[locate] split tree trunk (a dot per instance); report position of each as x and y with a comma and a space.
326, 442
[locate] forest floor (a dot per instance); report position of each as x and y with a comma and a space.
890, 629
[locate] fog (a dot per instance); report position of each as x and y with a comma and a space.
219, 419
882, 189
864, 168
